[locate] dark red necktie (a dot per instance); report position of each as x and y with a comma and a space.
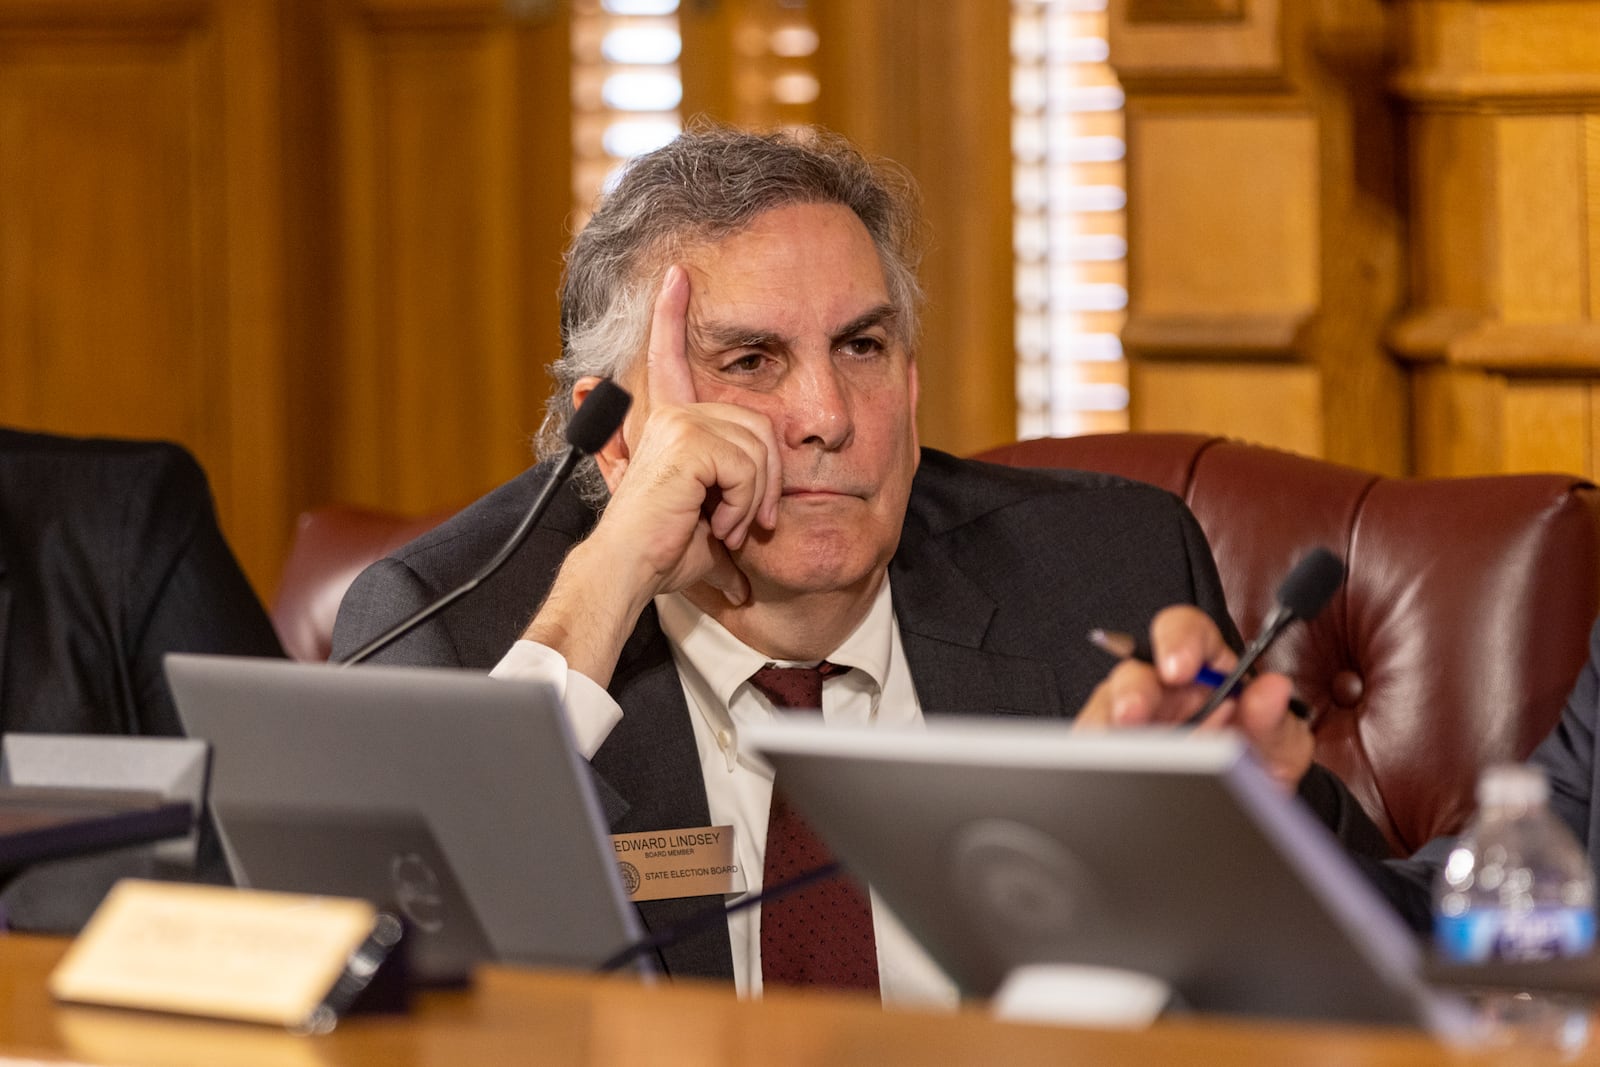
822, 934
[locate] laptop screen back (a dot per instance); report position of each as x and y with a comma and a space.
1002, 844
455, 799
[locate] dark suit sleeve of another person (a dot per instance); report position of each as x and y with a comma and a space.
1566, 756
195, 599
110, 557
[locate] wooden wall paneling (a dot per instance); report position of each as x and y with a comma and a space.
1452, 241
452, 200
710, 58
869, 61
1592, 459
260, 459
541, 200
964, 89
1590, 216
1224, 215
1547, 425
1267, 401
312, 296
140, 255
1502, 100
731, 69
1169, 42
1264, 226
928, 85
1541, 272
103, 218
1455, 420
1191, 10
1485, 421
1365, 404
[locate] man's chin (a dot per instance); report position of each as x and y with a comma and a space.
776, 575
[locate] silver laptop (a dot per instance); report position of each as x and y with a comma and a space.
1002, 844
454, 799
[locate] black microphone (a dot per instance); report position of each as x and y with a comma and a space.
1304, 592
591, 427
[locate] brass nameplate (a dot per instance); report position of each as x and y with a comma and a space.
692, 862
206, 950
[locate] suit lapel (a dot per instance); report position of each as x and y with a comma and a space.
945, 622
653, 751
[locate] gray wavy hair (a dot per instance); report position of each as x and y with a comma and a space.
708, 184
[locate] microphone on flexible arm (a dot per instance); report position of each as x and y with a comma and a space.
1307, 588
591, 427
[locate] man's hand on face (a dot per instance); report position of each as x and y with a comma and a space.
688, 482
691, 479
1182, 640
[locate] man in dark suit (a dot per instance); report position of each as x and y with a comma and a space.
766, 505
1568, 759
110, 557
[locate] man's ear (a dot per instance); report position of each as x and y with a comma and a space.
915, 392
612, 459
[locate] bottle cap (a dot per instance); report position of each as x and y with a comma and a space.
1512, 785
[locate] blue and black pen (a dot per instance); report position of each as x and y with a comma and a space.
1126, 646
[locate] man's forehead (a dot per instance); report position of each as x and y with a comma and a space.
838, 273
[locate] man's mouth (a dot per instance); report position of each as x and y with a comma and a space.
815, 491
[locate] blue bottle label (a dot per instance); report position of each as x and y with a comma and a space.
1483, 934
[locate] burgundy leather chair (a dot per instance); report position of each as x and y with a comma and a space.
1452, 644
332, 544
1460, 627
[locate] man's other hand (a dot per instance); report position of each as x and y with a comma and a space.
1182, 640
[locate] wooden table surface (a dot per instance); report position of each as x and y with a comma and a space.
526, 1017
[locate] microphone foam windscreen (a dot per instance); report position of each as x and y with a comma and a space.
602, 412
1311, 583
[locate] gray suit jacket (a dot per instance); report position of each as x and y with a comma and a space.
999, 575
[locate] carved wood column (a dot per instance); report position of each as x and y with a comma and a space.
1503, 109
1264, 223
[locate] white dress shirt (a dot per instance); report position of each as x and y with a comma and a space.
715, 669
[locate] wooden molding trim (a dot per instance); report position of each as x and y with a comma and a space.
1426, 336
1211, 45
1185, 10
1466, 339
1433, 91
390, 15
149, 16
1208, 337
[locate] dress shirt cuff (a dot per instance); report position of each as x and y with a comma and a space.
591, 713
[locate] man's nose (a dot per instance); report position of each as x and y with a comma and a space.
817, 408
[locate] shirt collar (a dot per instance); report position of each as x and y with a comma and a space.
723, 663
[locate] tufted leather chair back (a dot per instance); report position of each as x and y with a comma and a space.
1461, 625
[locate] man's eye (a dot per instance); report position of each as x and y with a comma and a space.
863, 346
747, 363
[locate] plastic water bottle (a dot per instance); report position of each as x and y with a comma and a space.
1517, 887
